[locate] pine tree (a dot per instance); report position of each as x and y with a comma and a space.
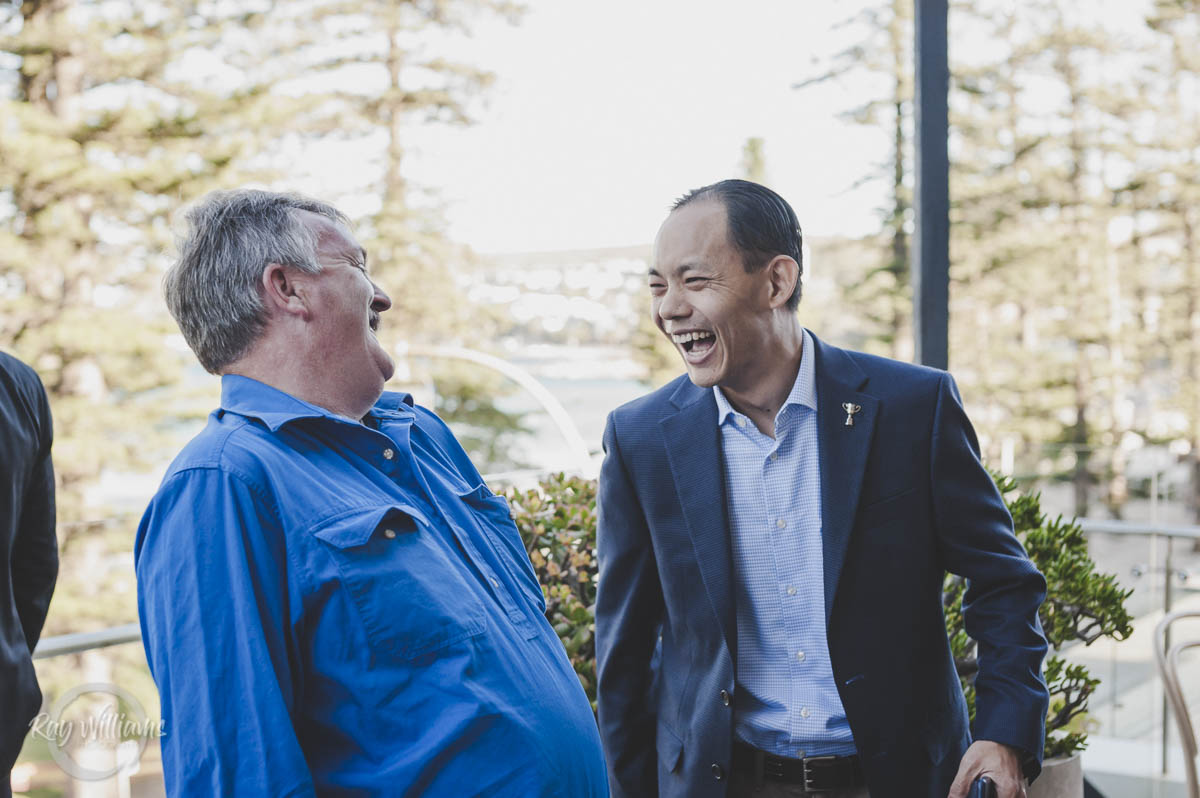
1169, 190
754, 161
102, 135
112, 117
885, 292
1048, 297
369, 73
1044, 309
995, 252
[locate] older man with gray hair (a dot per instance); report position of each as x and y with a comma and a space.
332, 601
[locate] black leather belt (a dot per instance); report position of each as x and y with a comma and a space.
814, 773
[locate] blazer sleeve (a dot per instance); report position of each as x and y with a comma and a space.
35, 548
629, 608
1004, 588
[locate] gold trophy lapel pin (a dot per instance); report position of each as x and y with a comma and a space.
850, 409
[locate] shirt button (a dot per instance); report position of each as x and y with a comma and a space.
774, 456
801, 754
725, 697
791, 591
781, 523
741, 422
804, 713
495, 582
718, 774
800, 656
388, 454
389, 533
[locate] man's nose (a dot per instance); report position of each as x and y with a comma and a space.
672, 305
380, 301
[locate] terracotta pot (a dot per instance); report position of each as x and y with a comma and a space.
1062, 777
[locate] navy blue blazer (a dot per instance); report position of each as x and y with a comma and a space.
904, 499
28, 548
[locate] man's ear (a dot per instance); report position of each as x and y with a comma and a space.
783, 273
284, 291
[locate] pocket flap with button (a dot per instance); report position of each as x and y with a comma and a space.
483, 498
501, 529
670, 748
356, 527
407, 582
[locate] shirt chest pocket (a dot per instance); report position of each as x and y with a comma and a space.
404, 581
496, 519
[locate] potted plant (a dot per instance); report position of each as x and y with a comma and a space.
1081, 606
557, 521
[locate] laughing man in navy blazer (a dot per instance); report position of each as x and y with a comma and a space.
774, 530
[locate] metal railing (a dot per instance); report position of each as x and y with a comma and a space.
85, 641
129, 633
1139, 528
1158, 569
1161, 536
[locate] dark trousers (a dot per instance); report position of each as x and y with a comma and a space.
742, 786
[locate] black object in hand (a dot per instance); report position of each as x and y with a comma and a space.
982, 787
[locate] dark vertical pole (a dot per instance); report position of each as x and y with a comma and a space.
931, 244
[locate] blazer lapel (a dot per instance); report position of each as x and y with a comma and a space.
694, 451
843, 450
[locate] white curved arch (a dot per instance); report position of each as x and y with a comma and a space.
558, 414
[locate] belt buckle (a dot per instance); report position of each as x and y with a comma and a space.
809, 778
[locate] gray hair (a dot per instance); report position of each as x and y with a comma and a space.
214, 289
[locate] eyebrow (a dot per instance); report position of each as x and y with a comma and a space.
682, 269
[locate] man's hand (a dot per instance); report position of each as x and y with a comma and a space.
997, 761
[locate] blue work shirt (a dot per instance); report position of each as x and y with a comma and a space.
335, 608
786, 700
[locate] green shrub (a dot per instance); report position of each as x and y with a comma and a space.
1081, 606
557, 521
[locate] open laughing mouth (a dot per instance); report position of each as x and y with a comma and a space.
373, 321
695, 345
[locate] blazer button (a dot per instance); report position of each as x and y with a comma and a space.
718, 774
725, 697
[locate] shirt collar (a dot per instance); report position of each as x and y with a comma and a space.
249, 397
804, 389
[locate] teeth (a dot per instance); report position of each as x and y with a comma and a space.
683, 338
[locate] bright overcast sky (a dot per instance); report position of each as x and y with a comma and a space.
603, 113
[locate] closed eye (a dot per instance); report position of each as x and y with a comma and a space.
695, 280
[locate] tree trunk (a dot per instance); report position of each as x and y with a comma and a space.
394, 184
902, 342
